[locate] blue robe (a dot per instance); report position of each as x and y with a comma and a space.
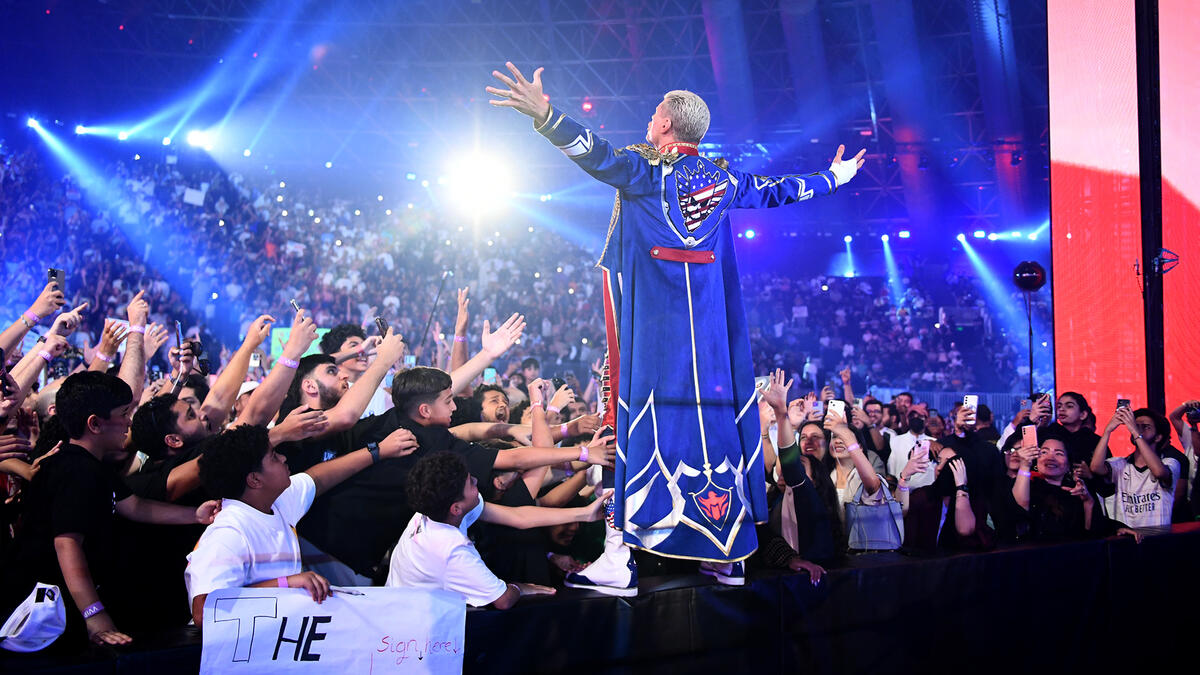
689, 471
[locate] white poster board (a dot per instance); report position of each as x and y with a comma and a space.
365, 630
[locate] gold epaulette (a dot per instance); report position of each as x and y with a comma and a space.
649, 152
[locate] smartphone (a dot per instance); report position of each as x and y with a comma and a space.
382, 324
4, 386
1124, 403
410, 361
920, 449
819, 407
489, 376
838, 406
178, 336
255, 360
1029, 436
57, 276
971, 401
558, 383
295, 306
1068, 480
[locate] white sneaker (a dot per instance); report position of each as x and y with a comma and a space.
614, 572
730, 574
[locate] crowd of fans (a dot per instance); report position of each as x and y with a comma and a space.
305, 469
217, 250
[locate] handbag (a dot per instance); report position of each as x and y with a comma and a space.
36, 622
875, 527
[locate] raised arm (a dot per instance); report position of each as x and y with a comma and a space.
215, 409
495, 343
458, 351
354, 402
1099, 463
590, 152
866, 473
133, 365
47, 303
597, 451
755, 192
267, 397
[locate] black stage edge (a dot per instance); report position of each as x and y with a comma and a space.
1068, 608
1150, 183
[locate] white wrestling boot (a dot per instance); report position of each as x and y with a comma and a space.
729, 574
615, 571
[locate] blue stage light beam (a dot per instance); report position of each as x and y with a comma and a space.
895, 282
849, 272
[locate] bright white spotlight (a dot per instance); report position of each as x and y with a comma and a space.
328, 165
961, 237
885, 238
197, 138
905, 234
166, 140
980, 234
847, 239
750, 234
122, 135
993, 236
80, 129
479, 184
1033, 236
246, 152
32, 123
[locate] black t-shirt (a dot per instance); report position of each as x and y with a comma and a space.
155, 556
510, 553
73, 493
361, 519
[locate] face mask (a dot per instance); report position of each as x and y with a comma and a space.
471, 516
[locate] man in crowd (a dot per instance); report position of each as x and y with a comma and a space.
252, 541
67, 538
351, 350
1145, 481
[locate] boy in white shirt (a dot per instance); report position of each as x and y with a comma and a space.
255, 543
1144, 481
434, 551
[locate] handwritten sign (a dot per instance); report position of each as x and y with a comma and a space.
370, 630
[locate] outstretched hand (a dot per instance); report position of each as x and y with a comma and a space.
495, 343
845, 169
524, 96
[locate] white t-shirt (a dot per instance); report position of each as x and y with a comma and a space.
380, 403
439, 556
244, 546
1140, 501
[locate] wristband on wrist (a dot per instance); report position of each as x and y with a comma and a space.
553, 408
564, 430
290, 363
31, 320
373, 448
104, 357
460, 338
137, 329
1024, 472
583, 454
282, 582
46, 355
92, 609
853, 446
904, 488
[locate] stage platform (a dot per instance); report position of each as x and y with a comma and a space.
1065, 608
